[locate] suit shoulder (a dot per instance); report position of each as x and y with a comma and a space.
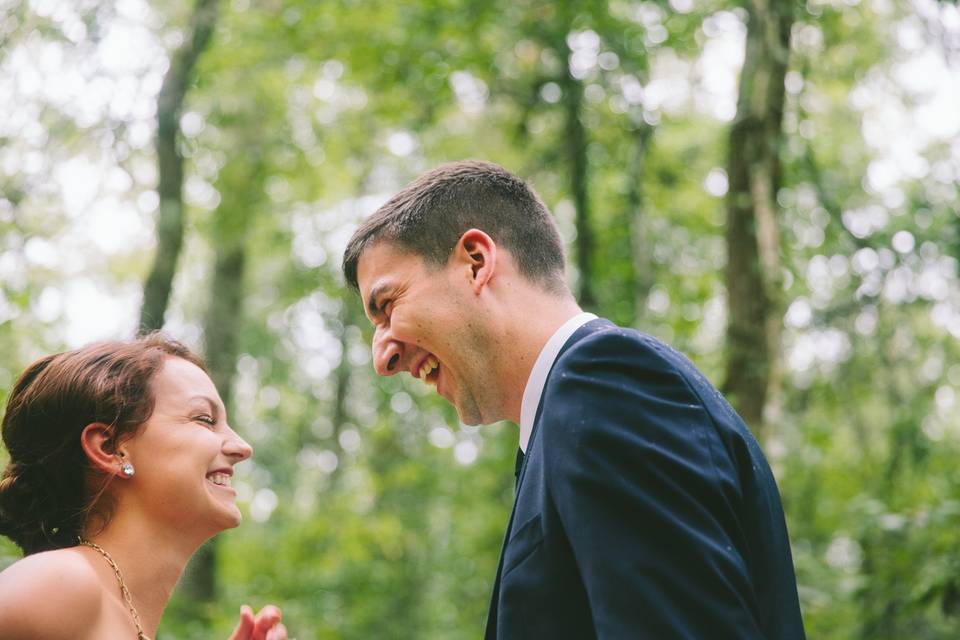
620, 383
614, 340
615, 353
609, 372
53, 594
614, 350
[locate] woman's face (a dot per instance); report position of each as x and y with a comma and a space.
184, 454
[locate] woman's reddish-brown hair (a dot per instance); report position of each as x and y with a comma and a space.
49, 489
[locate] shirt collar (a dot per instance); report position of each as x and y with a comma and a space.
541, 368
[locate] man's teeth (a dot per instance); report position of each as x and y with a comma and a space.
221, 479
428, 367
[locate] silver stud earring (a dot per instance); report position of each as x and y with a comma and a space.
127, 469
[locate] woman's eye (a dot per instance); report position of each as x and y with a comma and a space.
207, 420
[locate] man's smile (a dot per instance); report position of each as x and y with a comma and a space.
428, 369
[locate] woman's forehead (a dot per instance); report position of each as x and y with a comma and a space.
181, 377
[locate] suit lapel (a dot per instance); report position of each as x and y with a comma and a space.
579, 334
491, 632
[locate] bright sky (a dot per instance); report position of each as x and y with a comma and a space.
109, 209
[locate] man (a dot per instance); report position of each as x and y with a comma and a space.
644, 507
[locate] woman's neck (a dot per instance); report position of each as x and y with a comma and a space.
151, 560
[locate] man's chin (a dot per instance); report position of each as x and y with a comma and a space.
470, 415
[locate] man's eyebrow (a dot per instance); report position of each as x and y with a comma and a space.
375, 293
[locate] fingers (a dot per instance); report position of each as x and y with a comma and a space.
244, 630
265, 625
266, 620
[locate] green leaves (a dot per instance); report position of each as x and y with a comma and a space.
370, 512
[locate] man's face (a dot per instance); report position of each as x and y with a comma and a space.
425, 324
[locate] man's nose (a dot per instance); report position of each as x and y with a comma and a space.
387, 354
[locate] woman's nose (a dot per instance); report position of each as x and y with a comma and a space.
237, 447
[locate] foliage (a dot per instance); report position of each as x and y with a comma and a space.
370, 511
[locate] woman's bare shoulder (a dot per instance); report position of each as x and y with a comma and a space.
54, 594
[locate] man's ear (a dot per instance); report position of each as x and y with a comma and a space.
98, 443
477, 251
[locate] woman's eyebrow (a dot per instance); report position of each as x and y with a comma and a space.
214, 408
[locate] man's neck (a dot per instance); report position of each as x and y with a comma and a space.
527, 330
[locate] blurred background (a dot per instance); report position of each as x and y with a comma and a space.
771, 187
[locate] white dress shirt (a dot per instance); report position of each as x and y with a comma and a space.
541, 368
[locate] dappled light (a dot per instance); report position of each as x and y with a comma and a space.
828, 312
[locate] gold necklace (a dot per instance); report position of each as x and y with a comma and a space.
123, 586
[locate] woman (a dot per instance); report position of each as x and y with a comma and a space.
120, 465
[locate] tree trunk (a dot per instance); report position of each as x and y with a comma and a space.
576, 152
242, 184
221, 333
223, 323
156, 290
639, 237
350, 316
753, 254
342, 379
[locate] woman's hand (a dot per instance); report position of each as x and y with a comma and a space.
263, 626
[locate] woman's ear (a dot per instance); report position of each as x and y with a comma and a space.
478, 251
98, 443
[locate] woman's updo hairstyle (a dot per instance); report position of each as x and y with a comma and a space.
46, 493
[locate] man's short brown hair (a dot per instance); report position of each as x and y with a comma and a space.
430, 214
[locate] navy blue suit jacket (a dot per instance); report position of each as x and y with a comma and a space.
644, 509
